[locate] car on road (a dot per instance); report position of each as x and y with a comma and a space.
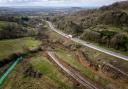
70, 36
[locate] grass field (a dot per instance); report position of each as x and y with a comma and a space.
10, 46
51, 78
103, 27
86, 71
48, 69
3, 24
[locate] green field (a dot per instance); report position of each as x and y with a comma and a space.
51, 78
84, 70
3, 24
48, 69
103, 27
10, 46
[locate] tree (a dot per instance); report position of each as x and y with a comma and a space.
119, 41
91, 35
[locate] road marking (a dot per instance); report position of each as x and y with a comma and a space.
117, 55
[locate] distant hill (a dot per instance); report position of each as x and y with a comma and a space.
35, 10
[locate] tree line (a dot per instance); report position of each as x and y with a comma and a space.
118, 41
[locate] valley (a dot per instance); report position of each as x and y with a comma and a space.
64, 48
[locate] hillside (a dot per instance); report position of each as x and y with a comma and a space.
16, 27
107, 25
34, 54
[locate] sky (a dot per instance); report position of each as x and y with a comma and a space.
57, 3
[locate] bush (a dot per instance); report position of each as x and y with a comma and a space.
13, 30
119, 41
91, 35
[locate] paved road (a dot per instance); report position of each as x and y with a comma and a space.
90, 45
72, 72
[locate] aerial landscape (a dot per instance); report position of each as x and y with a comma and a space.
63, 44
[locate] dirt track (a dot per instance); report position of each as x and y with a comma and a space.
73, 73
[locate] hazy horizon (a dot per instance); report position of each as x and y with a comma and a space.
56, 3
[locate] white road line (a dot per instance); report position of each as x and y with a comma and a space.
118, 55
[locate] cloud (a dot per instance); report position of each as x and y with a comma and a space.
18, 1
57, 2
84, 1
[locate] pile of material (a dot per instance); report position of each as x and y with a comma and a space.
32, 73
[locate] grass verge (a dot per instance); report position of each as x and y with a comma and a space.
84, 70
